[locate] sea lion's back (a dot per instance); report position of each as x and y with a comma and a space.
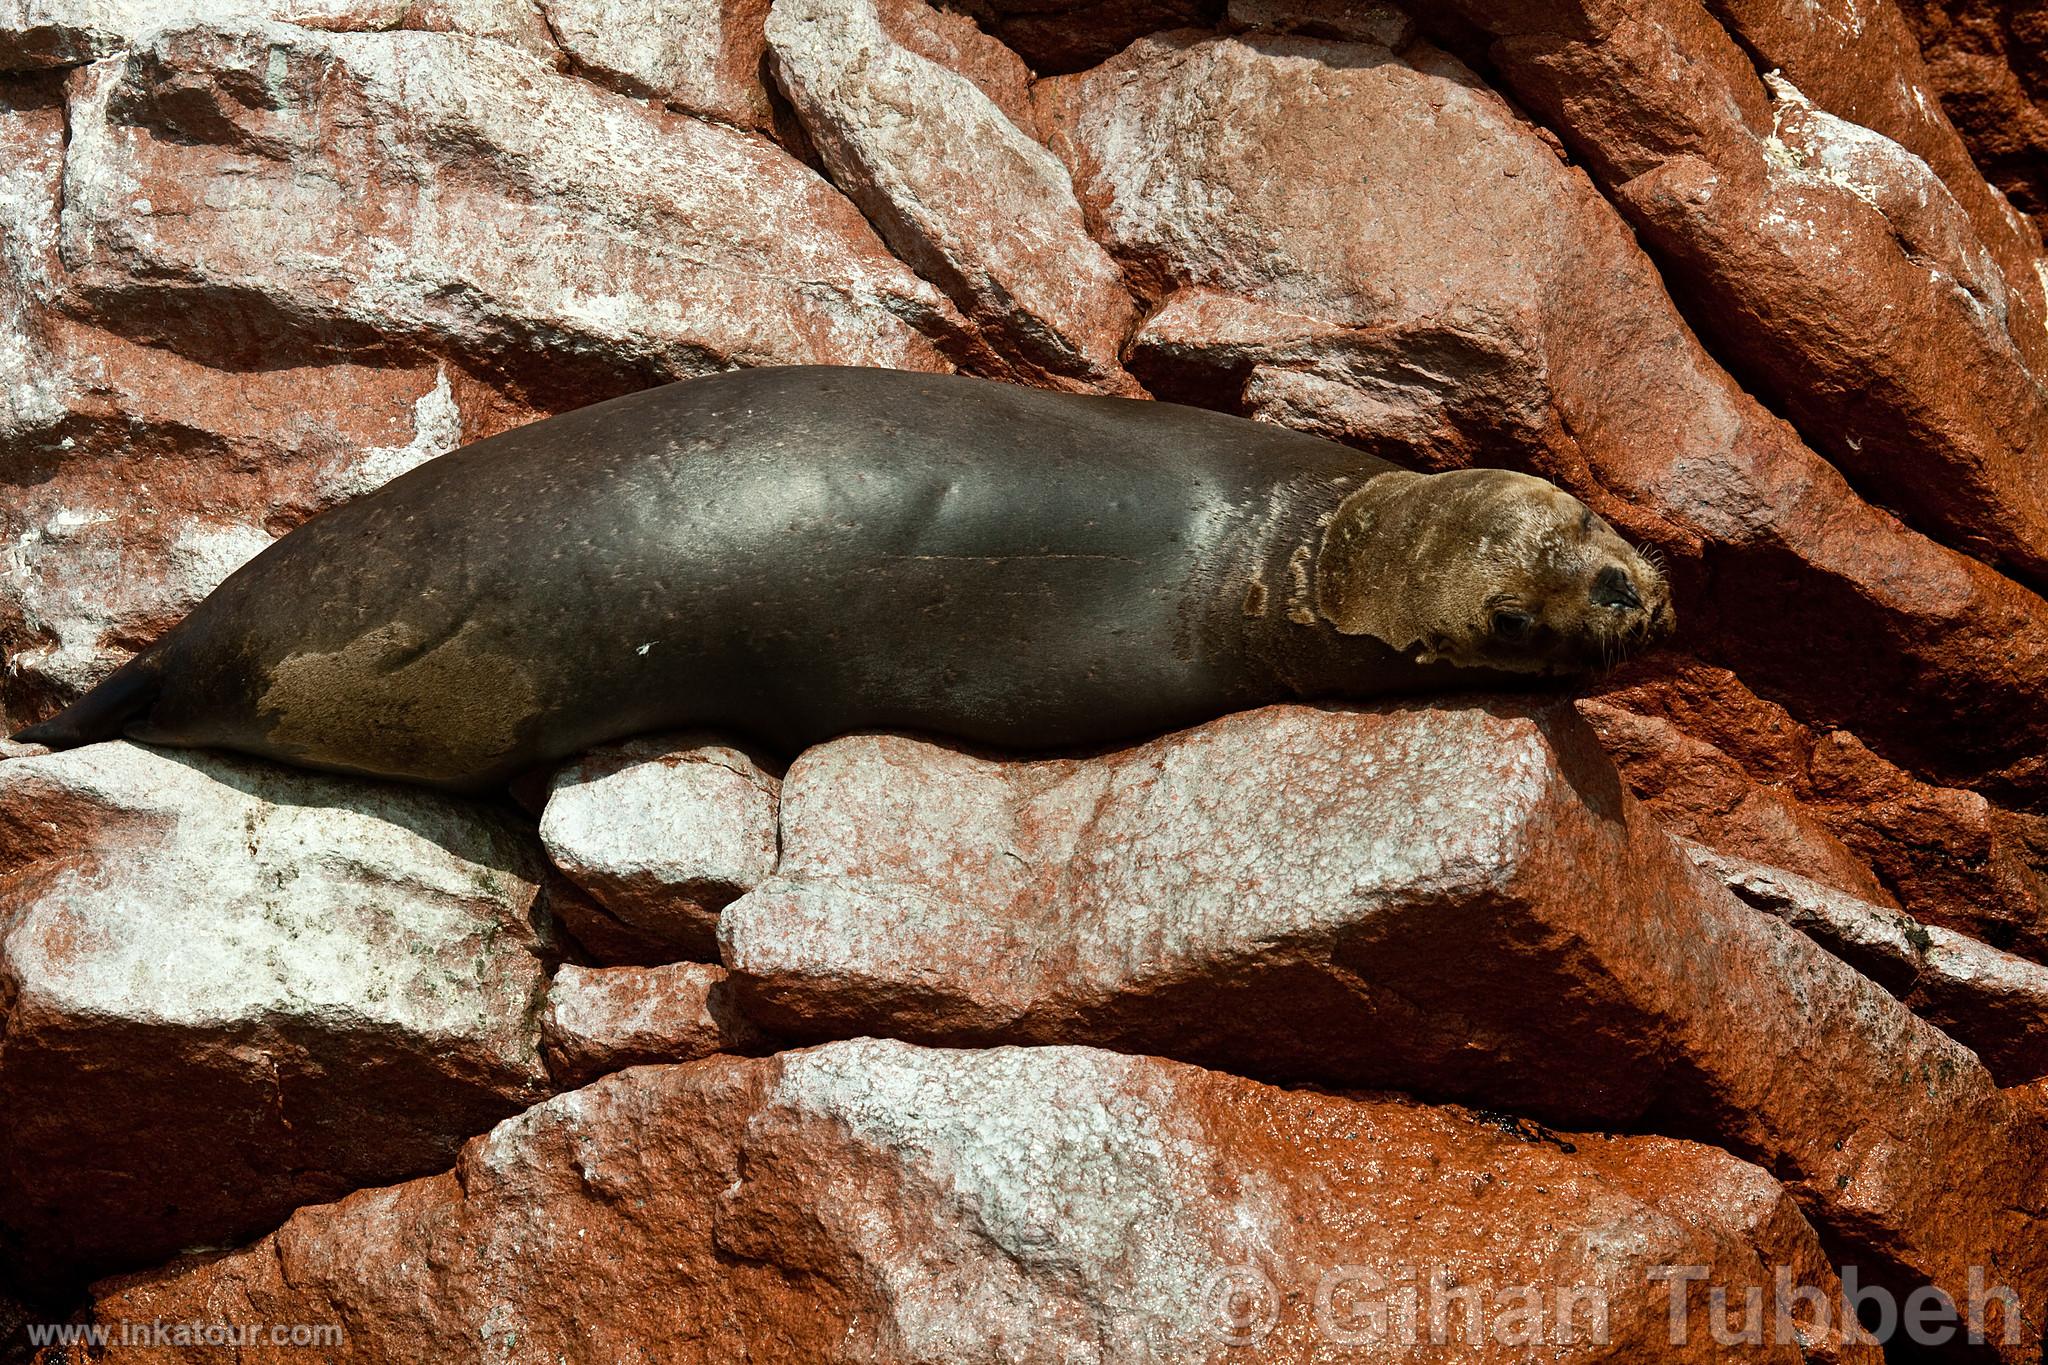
787, 553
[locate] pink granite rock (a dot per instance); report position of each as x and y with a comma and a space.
695, 56
1861, 61
958, 190
660, 833
227, 990
1985, 63
604, 1019
1734, 771
566, 233
1460, 901
871, 1201
1995, 1004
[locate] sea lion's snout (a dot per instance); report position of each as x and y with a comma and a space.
1613, 589
1629, 608
1562, 591
1635, 596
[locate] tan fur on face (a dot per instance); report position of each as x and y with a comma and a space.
1431, 562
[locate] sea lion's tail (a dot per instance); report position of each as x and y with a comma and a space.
103, 712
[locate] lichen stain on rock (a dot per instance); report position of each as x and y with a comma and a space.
396, 701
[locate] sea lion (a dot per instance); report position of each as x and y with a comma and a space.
793, 553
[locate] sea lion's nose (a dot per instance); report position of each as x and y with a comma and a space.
1612, 588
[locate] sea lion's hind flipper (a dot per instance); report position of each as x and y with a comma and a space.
104, 712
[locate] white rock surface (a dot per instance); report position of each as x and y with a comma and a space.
254, 988
663, 833
1053, 1164
32, 385
1812, 146
51, 33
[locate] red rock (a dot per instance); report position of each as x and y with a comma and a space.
1737, 773
1704, 794
1986, 59
958, 190
32, 137
1861, 61
232, 989
870, 1201
1450, 277
957, 43
705, 57
696, 56
1347, 21
1462, 902
604, 1019
1067, 35
570, 238
1771, 214
1993, 1003
599, 935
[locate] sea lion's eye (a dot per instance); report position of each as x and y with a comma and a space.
1510, 624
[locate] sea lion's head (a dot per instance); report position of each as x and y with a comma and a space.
1486, 568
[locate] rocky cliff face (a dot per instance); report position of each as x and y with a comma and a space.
1988, 59
1592, 1028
